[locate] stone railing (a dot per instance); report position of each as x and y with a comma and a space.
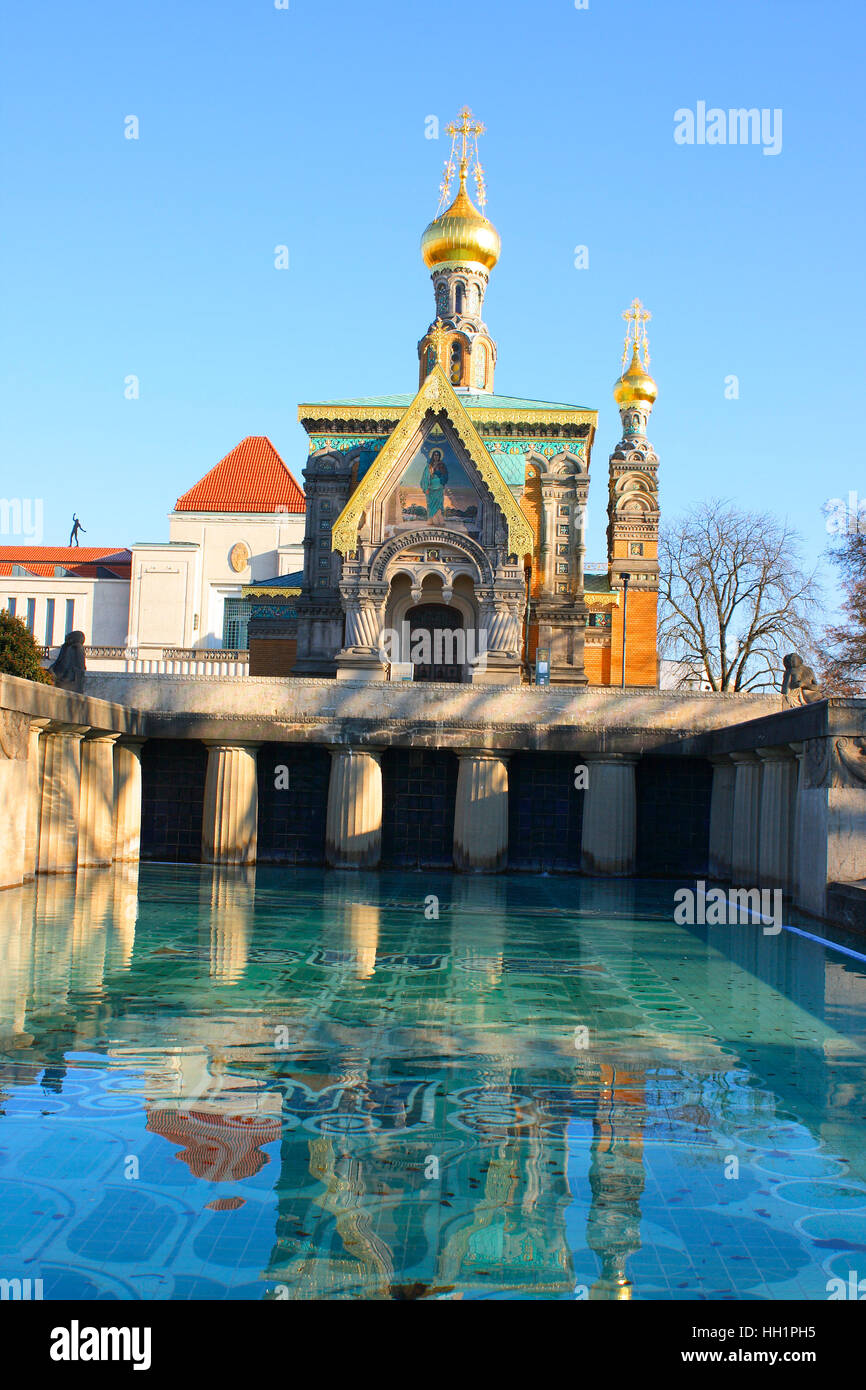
189, 661
161, 661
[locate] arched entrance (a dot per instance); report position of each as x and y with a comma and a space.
436, 631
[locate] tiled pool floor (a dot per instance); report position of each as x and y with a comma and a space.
285, 1083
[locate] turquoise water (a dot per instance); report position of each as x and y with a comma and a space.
290, 1084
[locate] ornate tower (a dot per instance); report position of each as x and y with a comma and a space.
460, 247
633, 514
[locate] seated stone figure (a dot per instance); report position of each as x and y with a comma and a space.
68, 670
799, 683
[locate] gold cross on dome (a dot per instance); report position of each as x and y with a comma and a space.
468, 126
636, 317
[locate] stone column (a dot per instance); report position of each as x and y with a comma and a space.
721, 817
353, 835
747, 811
96, 813
778, 795
59, 803
481, 811
35, 755
231, 804
127, 798
609, 839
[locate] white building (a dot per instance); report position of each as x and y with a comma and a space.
56, 589
163, 605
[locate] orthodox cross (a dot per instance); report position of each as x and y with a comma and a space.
636, 317
468, 130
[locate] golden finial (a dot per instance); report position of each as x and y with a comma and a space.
635, 383
460, 232
467, 132
438, 334
636, 339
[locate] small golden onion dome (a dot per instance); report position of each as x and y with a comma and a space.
635, 385
462, 233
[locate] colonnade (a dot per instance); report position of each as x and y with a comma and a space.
83, 806
754, 819
353, 838
82, 801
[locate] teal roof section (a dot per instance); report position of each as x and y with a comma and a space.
470, 402
597, 584
282, 581
510, 467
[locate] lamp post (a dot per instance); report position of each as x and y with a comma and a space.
624, 616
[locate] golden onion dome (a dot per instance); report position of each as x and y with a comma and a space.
635, 385
462, 233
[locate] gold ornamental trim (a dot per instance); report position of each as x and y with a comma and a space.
485, 415
436, 393
268, 591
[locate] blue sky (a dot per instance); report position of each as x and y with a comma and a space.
306, 127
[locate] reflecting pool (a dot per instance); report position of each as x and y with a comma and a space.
281, 1083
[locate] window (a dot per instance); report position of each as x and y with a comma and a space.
236, 618
480, 365
456, 363
458, 298
49, 623
31, 613
70, 615
12, 604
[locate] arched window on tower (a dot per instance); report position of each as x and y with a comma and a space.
480, 366
459, 294
456, 363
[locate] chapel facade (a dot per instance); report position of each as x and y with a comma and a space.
460, 511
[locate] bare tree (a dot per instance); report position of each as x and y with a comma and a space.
844, 669
733, 596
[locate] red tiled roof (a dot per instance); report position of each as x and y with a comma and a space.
84, 561
252, 478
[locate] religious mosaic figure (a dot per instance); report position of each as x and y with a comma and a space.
68, 670
433, 481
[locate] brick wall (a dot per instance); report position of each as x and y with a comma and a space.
272, 656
